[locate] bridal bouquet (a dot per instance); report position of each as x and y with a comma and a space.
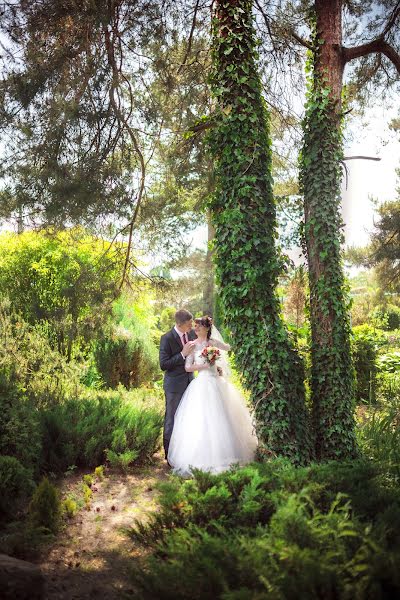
211, 354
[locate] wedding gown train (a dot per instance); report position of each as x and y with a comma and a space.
212, 427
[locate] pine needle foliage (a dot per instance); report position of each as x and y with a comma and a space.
271, 531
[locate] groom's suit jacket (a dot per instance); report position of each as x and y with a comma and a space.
176, 379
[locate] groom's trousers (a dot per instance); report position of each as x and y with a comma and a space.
172, 400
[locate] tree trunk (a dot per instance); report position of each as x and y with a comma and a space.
329, 60
245, 230
332, 372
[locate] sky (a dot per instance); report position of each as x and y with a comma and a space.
367, 178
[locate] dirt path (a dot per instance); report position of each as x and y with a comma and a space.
92, 556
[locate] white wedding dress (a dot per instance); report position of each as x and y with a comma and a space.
212, 427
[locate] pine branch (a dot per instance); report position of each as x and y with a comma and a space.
377, 45
291, 32
189, 44
361, 157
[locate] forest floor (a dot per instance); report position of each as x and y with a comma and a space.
92, 555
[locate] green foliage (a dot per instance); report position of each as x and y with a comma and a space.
244, 217
23, 539
16, 486
88, 479
47, 419
388, 387
385, 248
166, 319
81, 430
87, 494
122, 460
126, 353
29, 364
389, 362
388, 378
271, 531
99, 472
45, 506
365, 344
63, 280
332, 373
69, 507
380, 435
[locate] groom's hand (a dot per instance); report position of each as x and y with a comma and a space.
187, 348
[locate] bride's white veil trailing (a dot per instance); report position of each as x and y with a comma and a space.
223, 361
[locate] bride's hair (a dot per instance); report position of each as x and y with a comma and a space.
205, 322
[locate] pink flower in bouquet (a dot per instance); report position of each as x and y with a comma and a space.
211, 354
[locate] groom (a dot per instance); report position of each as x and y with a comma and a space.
175, 346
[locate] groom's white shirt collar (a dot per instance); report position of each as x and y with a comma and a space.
178, 332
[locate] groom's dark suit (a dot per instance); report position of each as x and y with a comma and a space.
176, 379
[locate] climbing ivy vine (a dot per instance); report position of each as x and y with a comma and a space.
332, 385
247, 261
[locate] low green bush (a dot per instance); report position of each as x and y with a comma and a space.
80, 431
122, 460
388, 315
271, 531
29, 363
20, 434
23, 539
365, 345
379, 437
16, 486
45, 507
388, 387
389, 362
69, 507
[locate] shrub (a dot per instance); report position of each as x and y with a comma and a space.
45, 506
69, 507
166, 320
272, 531
380, 436
88, 479
388, 315
79, 431
16, 485
23, 539
365, 345
126, 353
29, 365
19, 424
87, 494
389, 363
388, 387
62, 279
99, 472
122, 460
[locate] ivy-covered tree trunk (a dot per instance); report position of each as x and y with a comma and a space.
247, 262
321, 174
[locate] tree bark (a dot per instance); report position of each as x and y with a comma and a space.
329, 64
332, 384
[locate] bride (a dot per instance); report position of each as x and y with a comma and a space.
212, 426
